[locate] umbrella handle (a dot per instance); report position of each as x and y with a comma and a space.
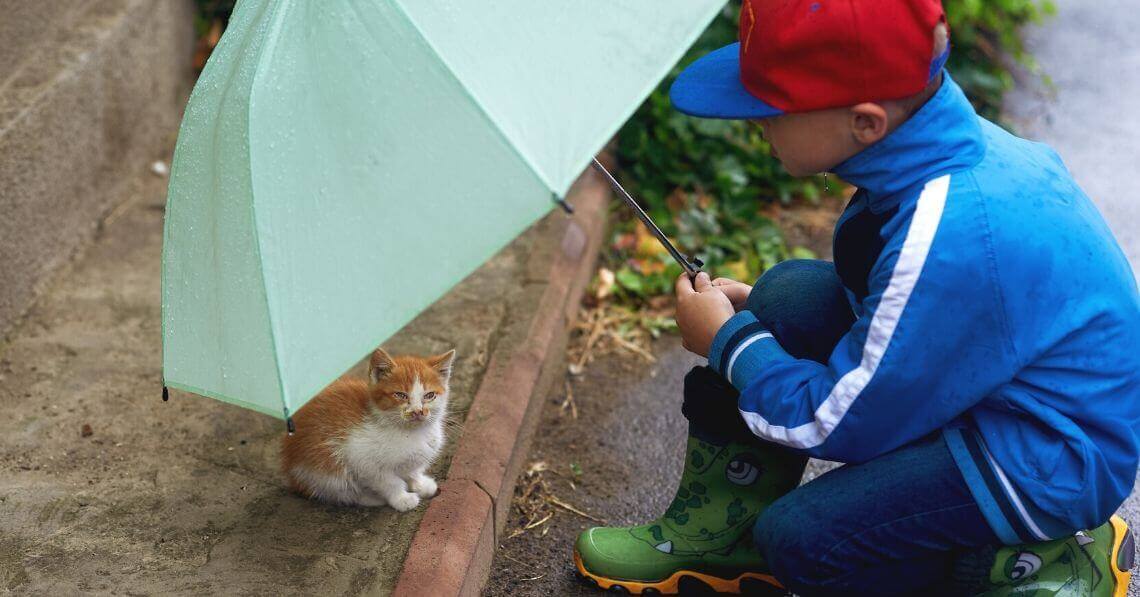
691, 267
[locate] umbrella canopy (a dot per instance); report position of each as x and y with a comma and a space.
342, 164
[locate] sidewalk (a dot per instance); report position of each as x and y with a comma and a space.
105, 488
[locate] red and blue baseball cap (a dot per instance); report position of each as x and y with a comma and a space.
805, 55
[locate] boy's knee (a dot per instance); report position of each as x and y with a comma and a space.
789, 281
803, 304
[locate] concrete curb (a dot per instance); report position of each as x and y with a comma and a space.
452, 550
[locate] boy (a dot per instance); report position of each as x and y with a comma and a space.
973, 354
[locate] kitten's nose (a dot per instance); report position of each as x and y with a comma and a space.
420, 414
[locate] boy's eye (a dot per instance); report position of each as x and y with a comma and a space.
401, 396
429, 396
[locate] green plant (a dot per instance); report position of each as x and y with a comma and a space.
985, 42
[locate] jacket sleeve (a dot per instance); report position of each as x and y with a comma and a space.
930, 344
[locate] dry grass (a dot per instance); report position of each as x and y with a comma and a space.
604, 327
536, 502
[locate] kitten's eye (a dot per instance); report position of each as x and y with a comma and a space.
429, 396
401, 396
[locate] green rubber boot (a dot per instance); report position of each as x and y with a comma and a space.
1094, 563
706, 534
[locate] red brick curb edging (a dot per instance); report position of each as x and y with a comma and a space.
452, 550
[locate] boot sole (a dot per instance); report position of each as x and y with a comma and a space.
754, 582
1121, 539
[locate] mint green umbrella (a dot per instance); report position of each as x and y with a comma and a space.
343, 163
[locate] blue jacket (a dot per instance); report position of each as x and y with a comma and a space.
992, 304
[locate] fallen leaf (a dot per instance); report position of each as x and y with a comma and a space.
605, 283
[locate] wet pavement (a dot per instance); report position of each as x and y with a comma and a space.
627, 442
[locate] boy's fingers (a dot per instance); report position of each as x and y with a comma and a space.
724, 282
737, 294
685, 285
702, 282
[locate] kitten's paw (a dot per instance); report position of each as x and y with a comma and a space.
403, 502
424, 486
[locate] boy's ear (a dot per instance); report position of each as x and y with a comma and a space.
442, 363
379, 365
869, 123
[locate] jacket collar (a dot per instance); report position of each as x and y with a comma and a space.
943, 136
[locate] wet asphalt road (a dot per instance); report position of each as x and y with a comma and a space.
627, 441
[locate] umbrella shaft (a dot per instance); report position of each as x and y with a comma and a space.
690, 268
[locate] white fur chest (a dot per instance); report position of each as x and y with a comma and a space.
377, 445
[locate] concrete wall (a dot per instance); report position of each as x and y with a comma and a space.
91, 91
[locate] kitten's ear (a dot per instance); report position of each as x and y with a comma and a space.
442, 363
379, 365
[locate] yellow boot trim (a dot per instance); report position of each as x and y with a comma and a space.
671, 585
1123, 577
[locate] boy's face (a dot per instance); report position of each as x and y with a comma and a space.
808, 143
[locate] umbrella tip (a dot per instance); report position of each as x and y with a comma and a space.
289, 426
165, 394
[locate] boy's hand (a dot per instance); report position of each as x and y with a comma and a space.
701, 311
737, 292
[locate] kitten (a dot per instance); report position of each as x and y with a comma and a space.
369, 443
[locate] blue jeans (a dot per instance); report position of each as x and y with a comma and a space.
904, 522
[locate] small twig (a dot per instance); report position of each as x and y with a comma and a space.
530, 525
533, 578
538, 522
595, 333
569, 402
561, 504
632, 347
516, 560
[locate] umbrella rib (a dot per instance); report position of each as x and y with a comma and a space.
271, 42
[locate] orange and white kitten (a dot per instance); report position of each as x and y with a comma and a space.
369, 443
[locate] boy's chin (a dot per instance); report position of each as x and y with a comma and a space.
796, 172
801, 171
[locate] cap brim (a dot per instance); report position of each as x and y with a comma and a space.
711, 88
